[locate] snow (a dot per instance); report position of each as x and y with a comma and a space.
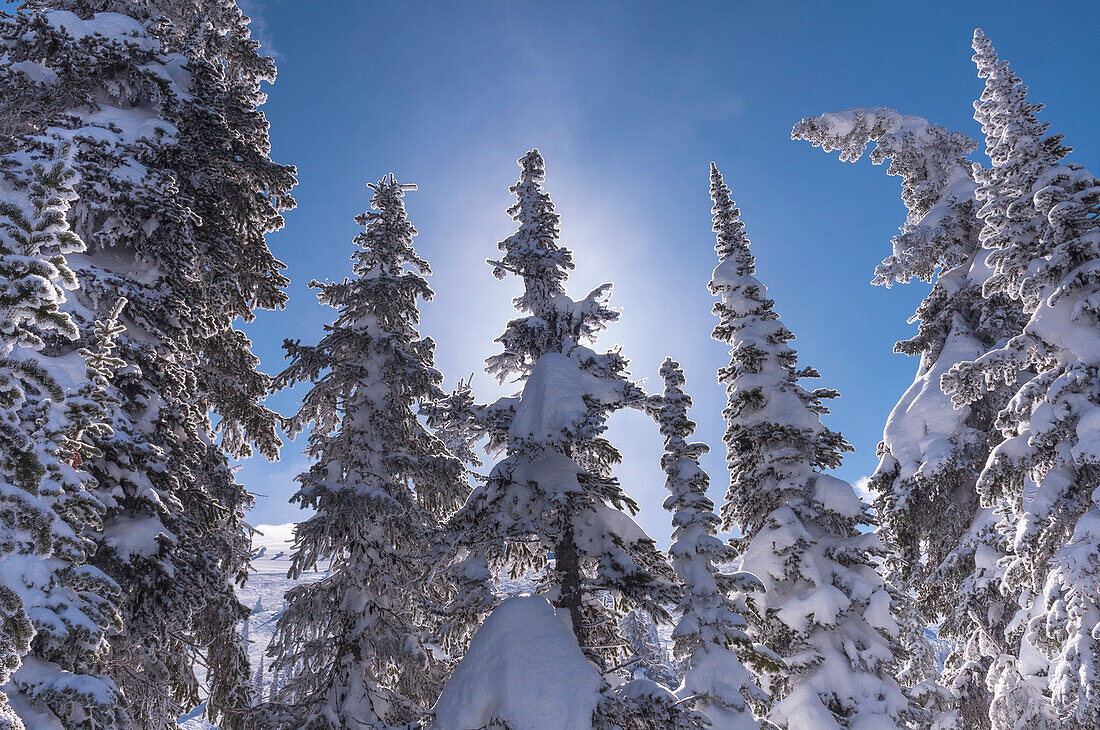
821, 605
879, 615
45, 674
264, 592
727, 274
136, 536
125, 126
923, 425
802, 710
852, 129
1057, 323
108, 25
272, 546
35, 72
523, 668
843, 122
837, 496
858, 692
552, 400
555, 473
28, 576
1087, 447
603, 525
720, 674
196, 720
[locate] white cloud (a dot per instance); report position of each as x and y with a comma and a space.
277, 533
863, 489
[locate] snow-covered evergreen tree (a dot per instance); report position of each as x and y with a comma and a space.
57, 610
1039, 218
939, 527
648, 656
710, 636
460, 585
553, 492
825, 611
641, 704
89, 409
175, 192
378, 483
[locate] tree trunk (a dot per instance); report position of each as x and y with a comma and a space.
568, 566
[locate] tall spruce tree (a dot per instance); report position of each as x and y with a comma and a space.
1039, 218
939, 526
553, 491
379, 482
825, 610
175, 191
710, 636
57, 610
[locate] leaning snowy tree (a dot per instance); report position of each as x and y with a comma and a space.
353, 642
939, 526
825, 611
175, 191
1039, 218
710, 636
553, 496
56, 610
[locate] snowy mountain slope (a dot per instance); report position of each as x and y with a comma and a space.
265, 588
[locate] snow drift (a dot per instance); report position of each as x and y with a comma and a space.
523, 668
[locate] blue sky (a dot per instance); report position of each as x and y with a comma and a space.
629, 102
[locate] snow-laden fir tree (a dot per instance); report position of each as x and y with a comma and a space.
1039, 218
642, 704
648, 656
710, 636
89, 408
460, 586
258, 683
825, 612
175, 191
939, 527
553, 491
379, 481
57, 610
